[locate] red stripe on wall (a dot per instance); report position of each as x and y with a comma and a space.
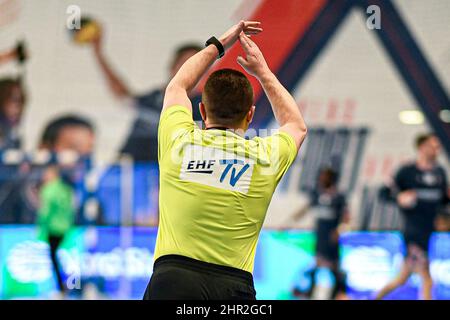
284, 23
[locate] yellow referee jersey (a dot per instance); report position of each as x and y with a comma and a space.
215, 188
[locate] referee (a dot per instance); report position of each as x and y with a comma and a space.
215, 185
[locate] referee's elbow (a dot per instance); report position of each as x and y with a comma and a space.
303, 132
298, 131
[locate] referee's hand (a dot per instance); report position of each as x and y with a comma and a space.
232, 34
254, 62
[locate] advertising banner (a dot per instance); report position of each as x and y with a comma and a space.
118, 263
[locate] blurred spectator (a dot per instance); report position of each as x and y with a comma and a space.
12, 103
14, 204
421, 190
70, 136
69, 133
329, 208
14, 208
141, 142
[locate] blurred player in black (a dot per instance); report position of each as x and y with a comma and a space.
331, 215
420, 189
141, 142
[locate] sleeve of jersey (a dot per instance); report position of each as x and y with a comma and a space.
174, 122
283, 152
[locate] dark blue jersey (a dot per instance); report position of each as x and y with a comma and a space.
142, 140
327, 210
431, 189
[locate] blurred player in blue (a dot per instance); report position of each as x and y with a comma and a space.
421, 191
330, 212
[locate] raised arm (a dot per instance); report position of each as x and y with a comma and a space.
283, 104
8, 56
195, 67
117, 85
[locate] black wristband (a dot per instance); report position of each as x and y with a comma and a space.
213, 40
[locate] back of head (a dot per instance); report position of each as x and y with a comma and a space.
227, 96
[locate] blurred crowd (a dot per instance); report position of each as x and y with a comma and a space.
67, 142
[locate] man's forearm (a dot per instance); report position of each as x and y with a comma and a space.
283, 104
301, 213
194, 68
7, 56
116, 84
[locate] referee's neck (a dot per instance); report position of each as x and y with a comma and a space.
237, 130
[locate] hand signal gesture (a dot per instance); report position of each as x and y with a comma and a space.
254, 62
232, 34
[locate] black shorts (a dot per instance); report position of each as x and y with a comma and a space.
326, 249
420, 240
177, 277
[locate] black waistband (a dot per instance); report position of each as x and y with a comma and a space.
204, 266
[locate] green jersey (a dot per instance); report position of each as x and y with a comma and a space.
57, 212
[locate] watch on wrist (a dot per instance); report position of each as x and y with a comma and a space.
213, 40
